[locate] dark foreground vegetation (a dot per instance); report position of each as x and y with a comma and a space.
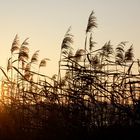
96, 93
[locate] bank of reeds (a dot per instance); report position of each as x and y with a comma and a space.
99, 91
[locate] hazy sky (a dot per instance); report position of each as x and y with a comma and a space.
46, 21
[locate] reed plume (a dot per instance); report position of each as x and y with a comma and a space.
107, 49
67, 42
79, 54
43, 62
24, 51
9, 65
91, 22
15, 44
34, 58
120, 52
129, 54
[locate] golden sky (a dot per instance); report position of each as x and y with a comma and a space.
46, 21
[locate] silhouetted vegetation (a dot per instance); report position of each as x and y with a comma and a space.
96, 93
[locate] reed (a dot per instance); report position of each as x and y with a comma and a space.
94, 89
